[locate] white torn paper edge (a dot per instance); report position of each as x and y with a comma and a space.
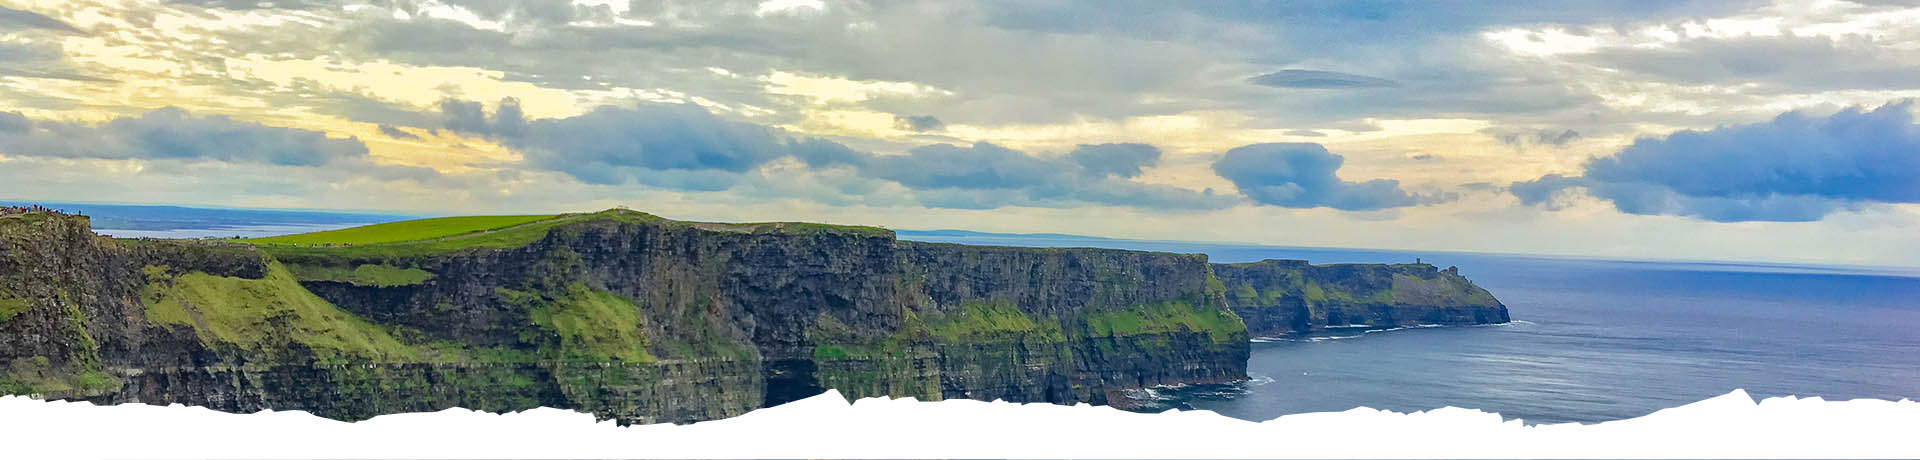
1728, 426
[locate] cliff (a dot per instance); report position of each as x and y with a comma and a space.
622, 314
1291, 297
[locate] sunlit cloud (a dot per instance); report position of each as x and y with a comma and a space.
1440, 116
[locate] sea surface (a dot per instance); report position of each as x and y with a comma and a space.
154, 221
1593, 340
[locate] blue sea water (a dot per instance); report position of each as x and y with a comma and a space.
158, 221
1593, 340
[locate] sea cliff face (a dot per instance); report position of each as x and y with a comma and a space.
621, 314
1277, 298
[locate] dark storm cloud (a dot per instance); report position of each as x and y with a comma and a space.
1303, 176
919, 123
1320, 79
1796, 167
171, 133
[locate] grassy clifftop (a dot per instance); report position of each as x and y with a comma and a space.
411, 230
1291, 297
448, 234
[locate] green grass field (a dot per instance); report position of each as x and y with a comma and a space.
394, 241
411, 230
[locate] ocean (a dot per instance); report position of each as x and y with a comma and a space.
1592, 340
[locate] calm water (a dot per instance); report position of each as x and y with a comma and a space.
1593, 340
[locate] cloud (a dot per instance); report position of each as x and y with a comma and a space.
673, 146
1544, 190
1320, 79
39, 60
1797, 167
397, 133
980, 166
686, 147
1793, 63
427, 36
1302, 176
821, 153
356, 106
615, 145
22, 19
919, 123
1118, 160
253, 4
508, 120
1522, 137
984, 176
172, 133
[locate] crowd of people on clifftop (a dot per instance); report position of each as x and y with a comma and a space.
28, 209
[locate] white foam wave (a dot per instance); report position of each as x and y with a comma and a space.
1729, 426
1517, 322
1323, 338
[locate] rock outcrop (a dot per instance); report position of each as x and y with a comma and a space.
1278, 298
621, 314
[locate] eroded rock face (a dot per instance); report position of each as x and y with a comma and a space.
1279, 298
641, 320
637, 320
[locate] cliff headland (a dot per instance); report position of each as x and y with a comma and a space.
642, 319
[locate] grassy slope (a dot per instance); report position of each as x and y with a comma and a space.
411, 230
990, 320
273, 315
1166, 317
584, 324
276, 315
375, 275
10, 306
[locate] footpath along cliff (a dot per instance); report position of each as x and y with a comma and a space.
622, 314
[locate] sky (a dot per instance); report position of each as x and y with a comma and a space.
1712, 130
